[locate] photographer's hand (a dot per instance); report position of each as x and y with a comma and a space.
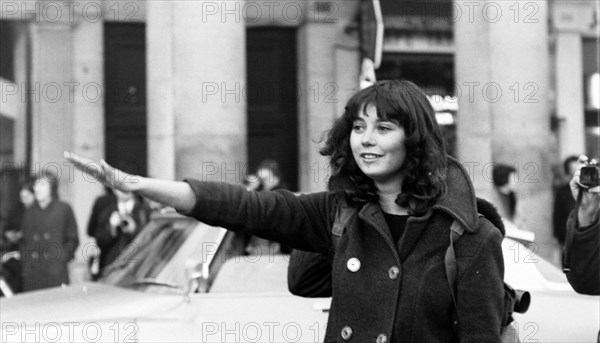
589, 208
114, 221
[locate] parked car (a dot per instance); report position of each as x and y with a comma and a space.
185, 281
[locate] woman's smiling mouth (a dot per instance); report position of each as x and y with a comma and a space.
370, 156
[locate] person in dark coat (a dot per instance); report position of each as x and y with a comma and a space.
563, 201
12, 232
101, 204
270, 178
119, 223
581, 256
50, 237
11, 237
504, 197
389, 282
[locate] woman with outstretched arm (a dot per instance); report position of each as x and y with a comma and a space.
402, 194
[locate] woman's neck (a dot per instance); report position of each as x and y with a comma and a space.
387, 198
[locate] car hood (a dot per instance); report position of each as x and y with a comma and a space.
85, 302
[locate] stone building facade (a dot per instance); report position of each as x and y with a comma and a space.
519, 79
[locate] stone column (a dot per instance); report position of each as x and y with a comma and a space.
318, 103
51, 81
88, 118
474, 118
502, 60
196, 77
571, 20
569, 90
21, 34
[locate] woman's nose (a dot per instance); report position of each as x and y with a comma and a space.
367, 138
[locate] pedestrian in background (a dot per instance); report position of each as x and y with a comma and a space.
12, 231
563, 200
270, 178
118, 224
11, 239
101, 204
581, 260
49, 236
504, 197
388, 274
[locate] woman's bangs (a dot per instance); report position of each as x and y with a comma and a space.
387, 105
390, 109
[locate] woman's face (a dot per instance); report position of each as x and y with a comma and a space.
42, 190
26, 196
378, 147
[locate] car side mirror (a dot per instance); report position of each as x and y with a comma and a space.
197, 277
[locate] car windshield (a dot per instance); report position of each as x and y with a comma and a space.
148, 256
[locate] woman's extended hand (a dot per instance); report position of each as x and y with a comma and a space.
103, 172
176, 194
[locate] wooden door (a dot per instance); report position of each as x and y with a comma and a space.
272, 100
125, 80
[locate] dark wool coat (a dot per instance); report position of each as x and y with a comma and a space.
49, 241
111, 247
381, 293
581, 259
563, 205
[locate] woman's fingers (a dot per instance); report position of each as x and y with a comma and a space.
102, 171
90, 167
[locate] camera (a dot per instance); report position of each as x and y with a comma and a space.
590, 175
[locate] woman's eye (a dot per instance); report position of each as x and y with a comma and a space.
357, 127
384, 128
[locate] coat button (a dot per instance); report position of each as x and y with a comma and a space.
346, 333
46, 236
393, 272
36, 237
353, 264
382, 338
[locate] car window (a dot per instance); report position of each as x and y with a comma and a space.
146, 257
169, 249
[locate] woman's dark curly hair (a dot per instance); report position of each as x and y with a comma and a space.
424, 168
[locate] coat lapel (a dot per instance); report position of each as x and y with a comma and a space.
415, 227
372, 215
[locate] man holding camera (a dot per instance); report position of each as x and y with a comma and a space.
120, 223
581, 259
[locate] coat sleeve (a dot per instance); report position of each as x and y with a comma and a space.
71, 235
93, 221
581, 258
103, 237
480, 292
309, 275
299, 221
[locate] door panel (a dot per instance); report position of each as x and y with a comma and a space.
125, 78
272, 101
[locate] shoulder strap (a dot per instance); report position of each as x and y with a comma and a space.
508, 335
343, 215
456, 230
